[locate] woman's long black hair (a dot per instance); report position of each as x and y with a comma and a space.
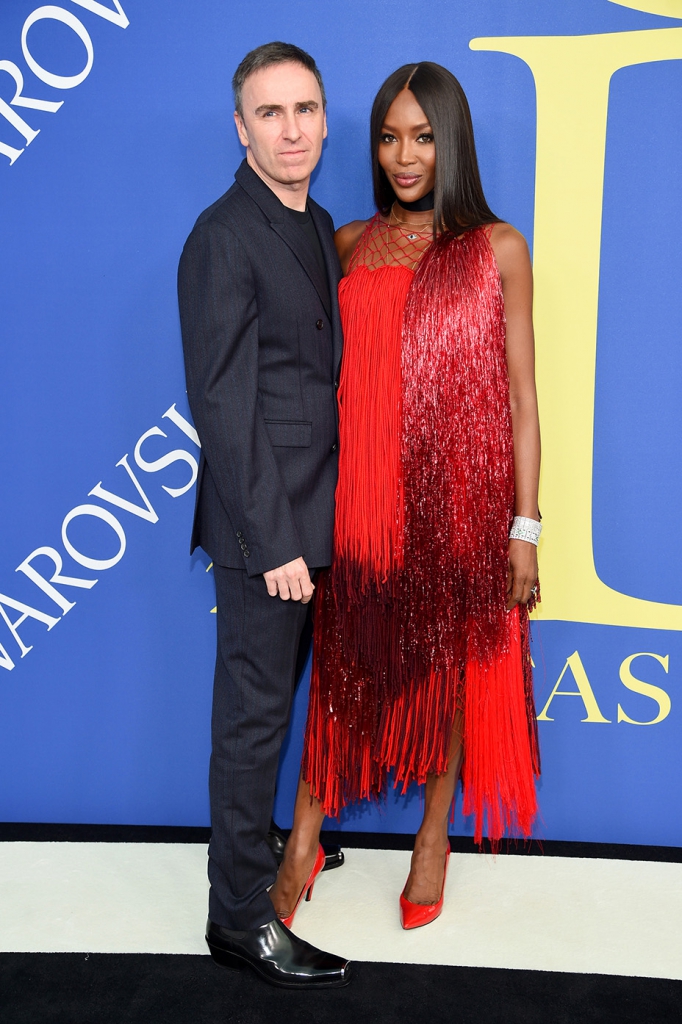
459, 202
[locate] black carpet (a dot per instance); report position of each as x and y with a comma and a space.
72, 988
39, 832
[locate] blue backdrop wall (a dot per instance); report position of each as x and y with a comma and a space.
115, 132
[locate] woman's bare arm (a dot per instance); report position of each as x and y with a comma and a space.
513, 260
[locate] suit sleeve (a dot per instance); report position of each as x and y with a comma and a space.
219, 320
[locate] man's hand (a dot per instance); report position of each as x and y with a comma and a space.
291, 581
522, 572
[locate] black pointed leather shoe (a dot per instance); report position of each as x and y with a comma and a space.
277, 841
277, 956
333, 856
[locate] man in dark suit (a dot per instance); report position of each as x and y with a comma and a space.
262, 341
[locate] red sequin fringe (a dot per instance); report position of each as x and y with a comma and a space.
410, 623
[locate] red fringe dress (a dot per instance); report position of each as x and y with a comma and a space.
410, 621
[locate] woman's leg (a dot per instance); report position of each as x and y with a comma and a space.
425, 881
299, 853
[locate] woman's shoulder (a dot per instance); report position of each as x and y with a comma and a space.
508, 245
347, 237
505, 236
349, 234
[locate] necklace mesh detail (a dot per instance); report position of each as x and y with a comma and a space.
383, 244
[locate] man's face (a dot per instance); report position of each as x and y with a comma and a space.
283, 124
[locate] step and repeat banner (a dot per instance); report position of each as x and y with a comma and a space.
115, 133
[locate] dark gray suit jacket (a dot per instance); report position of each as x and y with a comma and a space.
262, 346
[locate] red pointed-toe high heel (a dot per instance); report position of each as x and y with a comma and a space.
307, 889
415, 915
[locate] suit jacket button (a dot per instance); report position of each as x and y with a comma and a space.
334, 447
319, 324
246, 554
239, 533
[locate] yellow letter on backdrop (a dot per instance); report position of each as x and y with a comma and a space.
647, 689
584, 691
572, 75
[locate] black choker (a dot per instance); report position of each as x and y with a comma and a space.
419, 205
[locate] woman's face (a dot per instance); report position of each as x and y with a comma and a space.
406, 149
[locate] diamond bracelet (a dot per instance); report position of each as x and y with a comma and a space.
523, 528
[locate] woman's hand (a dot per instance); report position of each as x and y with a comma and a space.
522, 573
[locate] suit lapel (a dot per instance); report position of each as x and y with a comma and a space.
333, 266
286, 228
289, 231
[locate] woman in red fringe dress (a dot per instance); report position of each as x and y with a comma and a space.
421, 667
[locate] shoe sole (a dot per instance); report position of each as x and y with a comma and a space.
234, 962
422, 924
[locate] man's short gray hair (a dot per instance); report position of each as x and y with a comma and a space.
264, 57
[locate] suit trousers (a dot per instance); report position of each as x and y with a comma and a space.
258, 642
